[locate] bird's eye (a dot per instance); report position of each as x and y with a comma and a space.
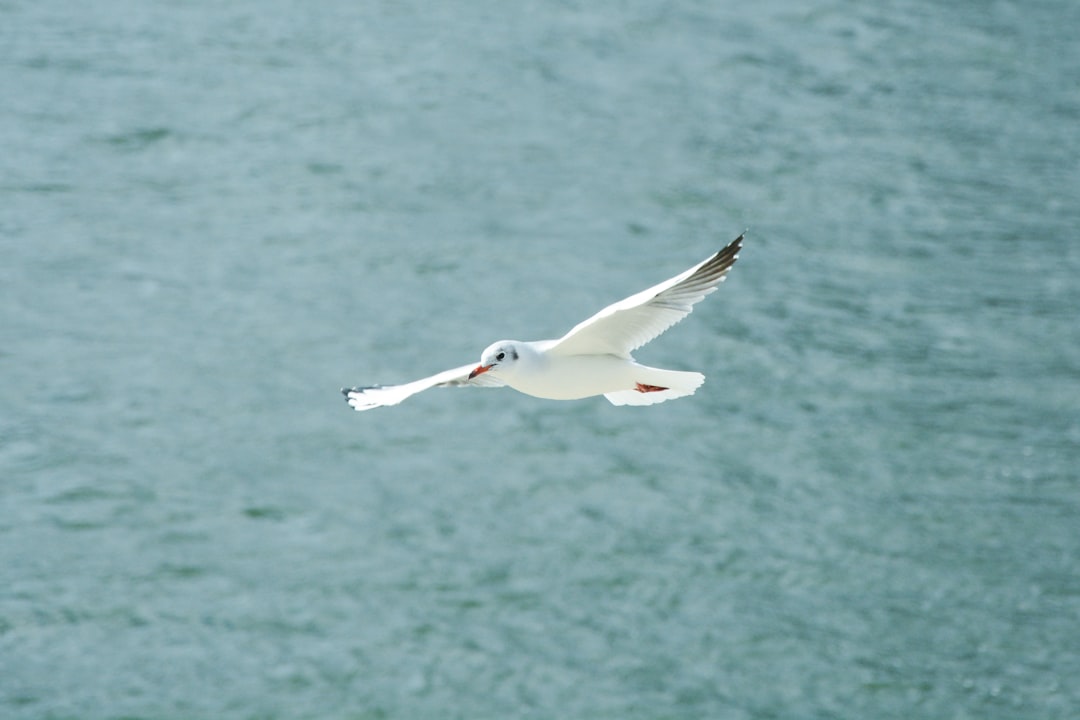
500, 356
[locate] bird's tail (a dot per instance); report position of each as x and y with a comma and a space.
656, 386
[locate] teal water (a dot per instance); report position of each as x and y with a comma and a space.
214, 215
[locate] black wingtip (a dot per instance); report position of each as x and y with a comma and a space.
725, 258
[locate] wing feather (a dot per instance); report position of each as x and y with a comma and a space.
373, 396
621, 328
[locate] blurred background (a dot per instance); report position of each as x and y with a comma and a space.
214, 215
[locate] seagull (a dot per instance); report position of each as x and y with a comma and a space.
594, 358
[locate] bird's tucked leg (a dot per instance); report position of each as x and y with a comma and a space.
643, 388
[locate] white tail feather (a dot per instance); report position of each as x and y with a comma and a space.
676, 383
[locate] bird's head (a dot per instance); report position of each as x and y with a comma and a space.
498, 357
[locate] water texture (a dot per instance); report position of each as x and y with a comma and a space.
213, 215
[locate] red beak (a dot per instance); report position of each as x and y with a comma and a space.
480, 370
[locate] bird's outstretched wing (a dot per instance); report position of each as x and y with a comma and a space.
365, 398
621, 328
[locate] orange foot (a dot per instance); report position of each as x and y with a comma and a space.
643, 388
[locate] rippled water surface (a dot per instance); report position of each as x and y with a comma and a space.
213, 215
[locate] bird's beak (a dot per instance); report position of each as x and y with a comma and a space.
480, 370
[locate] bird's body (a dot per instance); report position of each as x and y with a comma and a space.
594, 358
543, 372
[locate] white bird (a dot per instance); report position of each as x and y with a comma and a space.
593, 358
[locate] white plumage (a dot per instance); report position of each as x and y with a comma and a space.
594, 358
